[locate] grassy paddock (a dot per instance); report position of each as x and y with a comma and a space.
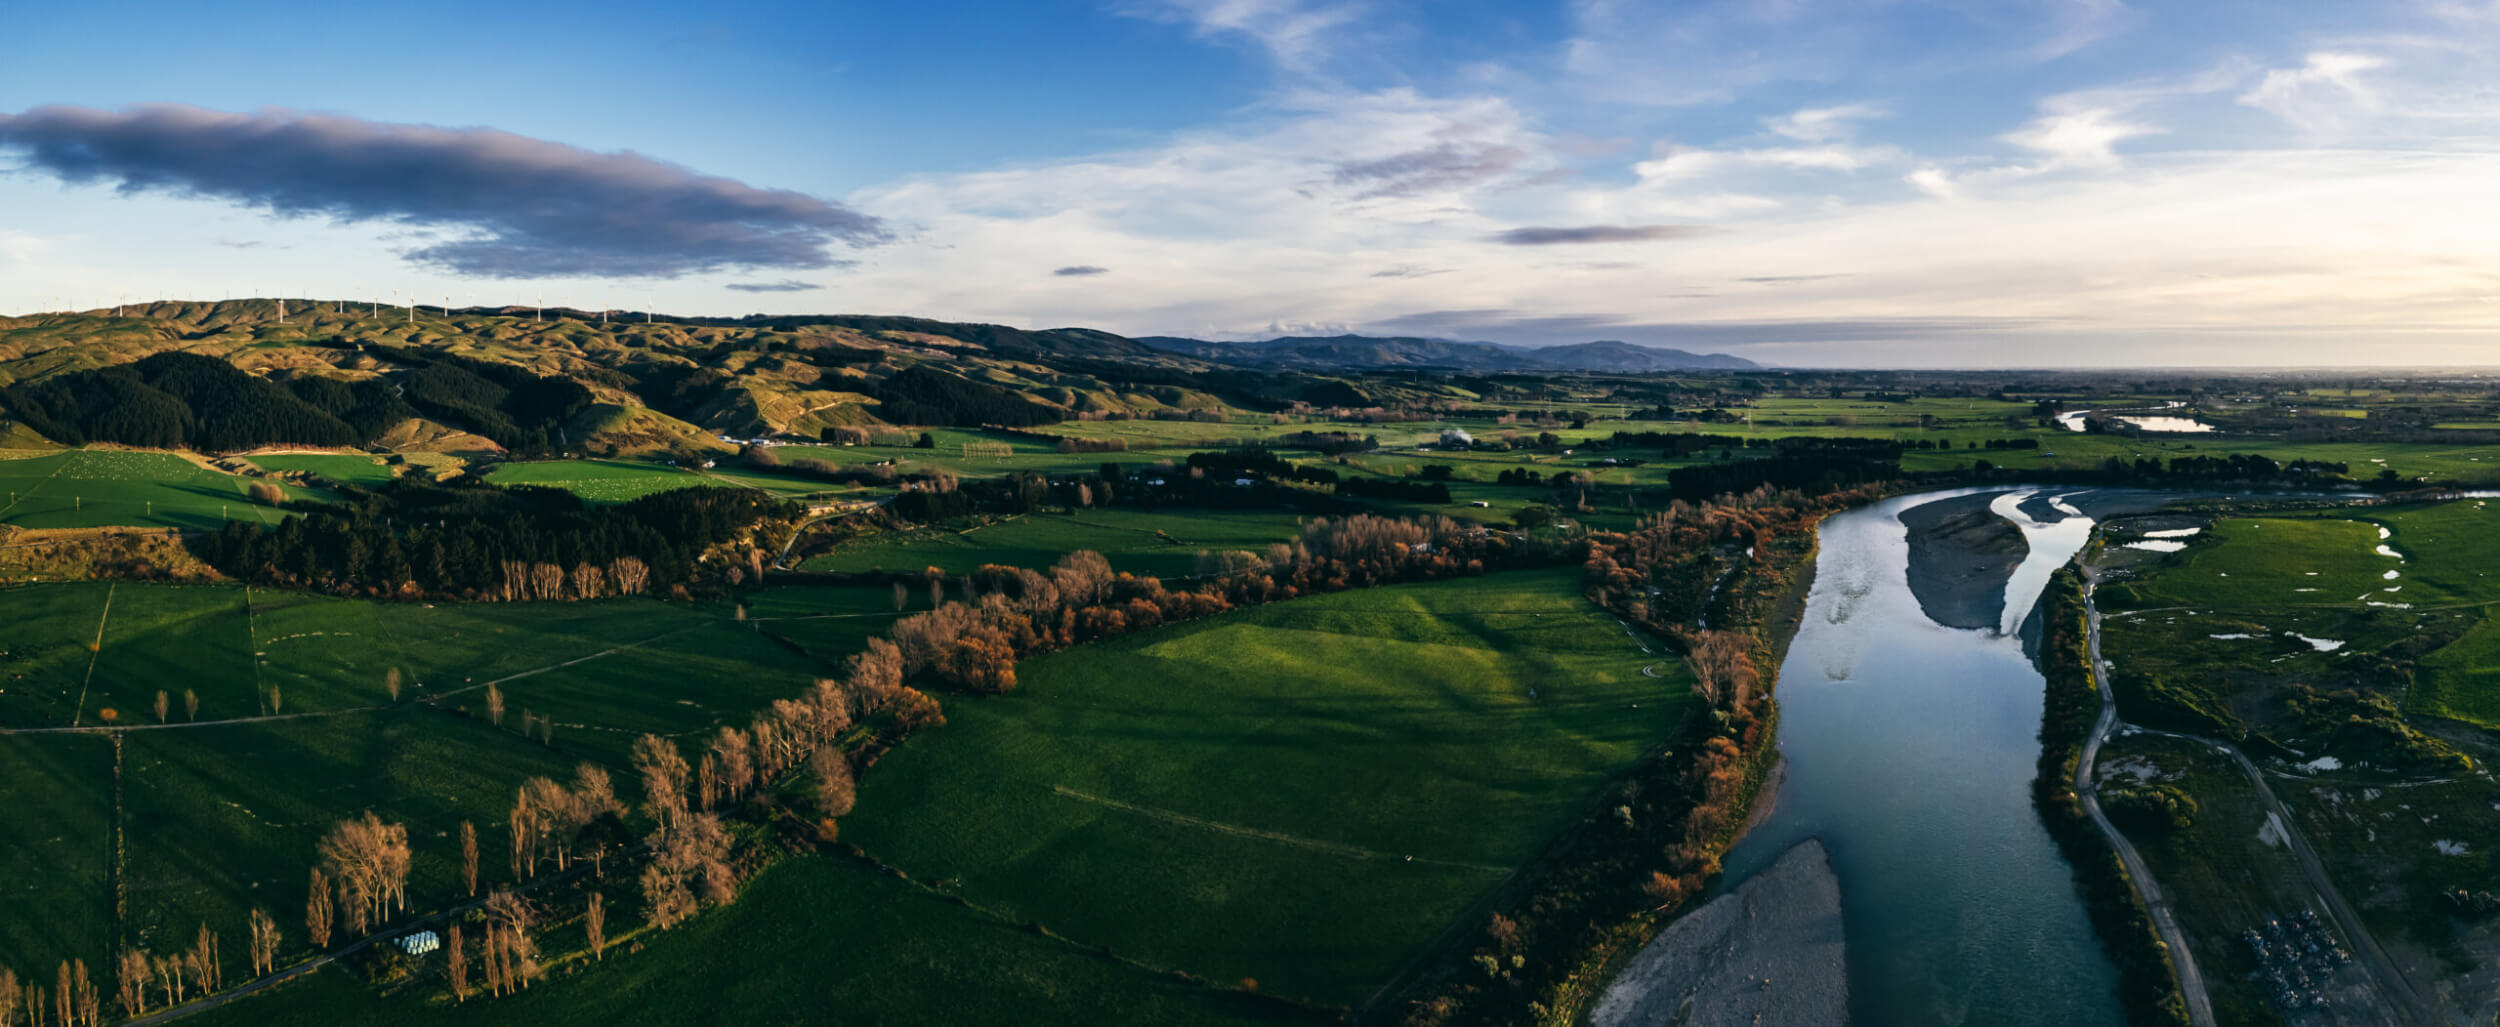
1164, 543
90, 488
1303, 793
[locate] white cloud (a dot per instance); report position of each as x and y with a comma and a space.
2320, 94
19, 247
1822, 124
1296, 34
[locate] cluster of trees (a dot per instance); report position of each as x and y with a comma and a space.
419, 539
71, 1002
1808, 472
921, 394
1395, 489
185, 399
521, 410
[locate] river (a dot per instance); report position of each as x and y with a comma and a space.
1910, 751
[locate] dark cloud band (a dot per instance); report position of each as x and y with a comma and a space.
1080, 271
516, 207
1539, 236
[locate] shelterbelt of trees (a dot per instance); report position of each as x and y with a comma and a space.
414, 539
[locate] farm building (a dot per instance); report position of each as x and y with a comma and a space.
420, 943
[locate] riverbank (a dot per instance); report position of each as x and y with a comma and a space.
2149, 980
1961, 556
1770, 952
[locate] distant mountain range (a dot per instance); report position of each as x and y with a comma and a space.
1368, 351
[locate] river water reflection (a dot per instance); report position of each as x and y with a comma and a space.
1910, 751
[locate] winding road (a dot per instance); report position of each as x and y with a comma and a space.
2396, 993
2200, 1007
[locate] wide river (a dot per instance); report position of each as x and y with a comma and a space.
1910, 752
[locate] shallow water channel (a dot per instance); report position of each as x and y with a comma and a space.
1910, 752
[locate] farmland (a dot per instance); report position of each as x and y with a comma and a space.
1335, 779
1164, 544
2352, 647
616, 481
85, 488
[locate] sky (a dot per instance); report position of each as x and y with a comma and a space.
1842, 183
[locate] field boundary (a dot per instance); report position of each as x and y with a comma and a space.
95, 654
1238, 831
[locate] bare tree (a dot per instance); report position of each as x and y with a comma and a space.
509, 919
317, 916
522, 827
595, 924
494, 704
369, 859
131, 974
8, 997
206, 968
589, 582
164, 705
468, 856
390, 683
63, 997
547, 581
902, 597
90, 1004
277, 701
631, 575
264, 943
707, 782
457, 961
835, 789
190, 704
663, 771
737, 761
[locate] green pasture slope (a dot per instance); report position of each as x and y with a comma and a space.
1304, 794
89, 488
1163, 543
618, 481
352, 468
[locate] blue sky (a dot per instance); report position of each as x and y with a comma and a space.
1840, 182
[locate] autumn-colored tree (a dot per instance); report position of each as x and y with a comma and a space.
914, 710
522, 829
390, 683
264, 943
8, 997
902, 597
707, 782
164, 705
589, 582
494, 704
317, 915
836, 791
457, 962
595, 926
190, 704
547, 581
736, 762
89, 1004
64, 998
277, 700
468, 856
981, 664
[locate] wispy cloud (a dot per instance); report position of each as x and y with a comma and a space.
517, 207
1080, 271
786, 285
2321, 93
1298, 35
1550, 236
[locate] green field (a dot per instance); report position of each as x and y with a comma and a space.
88, 488
616, 481
1333, 781
221, 815
2321, 575
810, 940
1162, 543
352, 468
